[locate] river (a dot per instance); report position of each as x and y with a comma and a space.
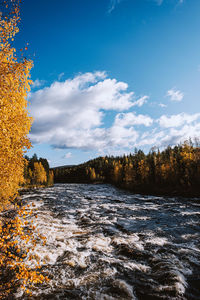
107, 244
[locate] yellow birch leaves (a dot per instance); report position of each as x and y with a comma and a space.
15, 122
15, 125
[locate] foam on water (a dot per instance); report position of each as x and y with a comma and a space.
107, 244
157, 241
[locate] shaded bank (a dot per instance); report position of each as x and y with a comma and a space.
174, 171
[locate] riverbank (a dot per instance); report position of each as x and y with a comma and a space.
33, 187
167, 192
161, 191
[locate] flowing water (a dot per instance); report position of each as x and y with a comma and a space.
106, 244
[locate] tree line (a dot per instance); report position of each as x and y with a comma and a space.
173, 171
37, 172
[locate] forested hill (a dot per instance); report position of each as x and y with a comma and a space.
174, 171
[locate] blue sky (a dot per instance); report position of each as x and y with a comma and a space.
111, 75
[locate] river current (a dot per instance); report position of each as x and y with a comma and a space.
107, 244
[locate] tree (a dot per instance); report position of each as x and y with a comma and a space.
15, 122
50, 178
92, 174
39, 174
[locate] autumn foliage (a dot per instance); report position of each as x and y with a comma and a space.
16, 232
174, 171
17, 241
15, 122
37, 172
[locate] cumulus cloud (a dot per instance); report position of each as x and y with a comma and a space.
175, 95
175, 136
141, 101
70, 114
172, 130
96, 113
37, 83
177, 120
152, 137
131, 119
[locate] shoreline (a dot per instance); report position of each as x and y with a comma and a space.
33, 187
150, 192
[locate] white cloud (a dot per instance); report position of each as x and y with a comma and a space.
130, 119
122, 137
151, 138
70, 114
175, 95
175, 136
177, 120
68, 155
74, 113
162, 105
171, 130
37, 83
141, 101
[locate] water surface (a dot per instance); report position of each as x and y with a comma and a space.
106, 244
